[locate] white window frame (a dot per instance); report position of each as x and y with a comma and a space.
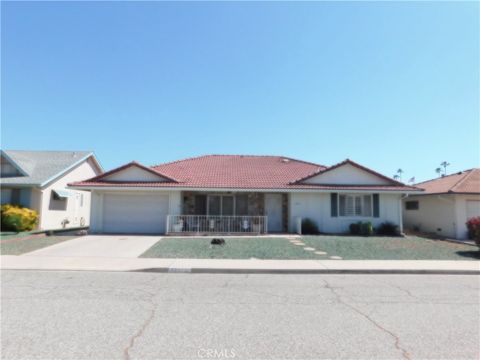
354, 199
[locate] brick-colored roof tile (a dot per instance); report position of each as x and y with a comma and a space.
463, 182
240, 172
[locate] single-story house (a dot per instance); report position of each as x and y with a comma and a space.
38, 180
240, 194
445, 205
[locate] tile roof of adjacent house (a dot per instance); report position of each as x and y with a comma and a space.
40, 167
464, 182
238, 172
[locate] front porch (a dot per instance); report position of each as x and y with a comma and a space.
230, 213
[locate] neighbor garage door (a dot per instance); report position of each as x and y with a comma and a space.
135, 214
473, 208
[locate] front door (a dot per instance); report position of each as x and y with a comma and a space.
273, 209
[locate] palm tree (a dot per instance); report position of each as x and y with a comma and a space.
399, 172
396, 177
438, 171
444, 164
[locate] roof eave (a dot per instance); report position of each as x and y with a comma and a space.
233, 189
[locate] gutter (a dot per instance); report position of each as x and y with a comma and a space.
148, 189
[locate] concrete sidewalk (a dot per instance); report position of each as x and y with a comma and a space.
10, 262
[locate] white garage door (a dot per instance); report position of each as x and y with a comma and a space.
135, 214
473, 208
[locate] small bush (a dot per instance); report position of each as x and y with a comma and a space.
309, 227
473, 226
16, 218
361, 228
366, 228
388, 228
355, 228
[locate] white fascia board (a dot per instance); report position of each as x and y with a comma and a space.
97, 163
136, 188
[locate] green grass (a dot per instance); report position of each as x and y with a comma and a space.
347, 247
235, 248
12, 246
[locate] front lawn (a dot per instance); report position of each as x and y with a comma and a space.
17, 245
345, 247
234, 248
392, 248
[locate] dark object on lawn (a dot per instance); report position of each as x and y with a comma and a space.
218, 241
388, 228
309, 227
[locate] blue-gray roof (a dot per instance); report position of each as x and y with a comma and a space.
41, 167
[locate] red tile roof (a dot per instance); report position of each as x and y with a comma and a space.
240, 172
464, 182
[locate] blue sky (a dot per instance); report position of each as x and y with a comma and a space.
389, 85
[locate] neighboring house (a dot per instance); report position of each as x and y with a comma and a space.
38, 180
240, 194
445, 205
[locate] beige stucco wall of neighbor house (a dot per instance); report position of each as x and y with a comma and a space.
96, 224
53, 212
435, 214
316, 206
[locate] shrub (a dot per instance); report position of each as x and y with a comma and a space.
361, 228
473, 226
16, 218
309, 227
366, 228
355, 228
388, 228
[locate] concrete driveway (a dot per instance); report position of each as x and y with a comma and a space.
114, 246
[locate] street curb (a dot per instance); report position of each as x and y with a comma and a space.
306, 271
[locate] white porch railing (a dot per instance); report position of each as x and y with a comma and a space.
203, 224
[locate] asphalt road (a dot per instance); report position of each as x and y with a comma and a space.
101, 315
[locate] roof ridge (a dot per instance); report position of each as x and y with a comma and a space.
40, 151
238, 155
467, 175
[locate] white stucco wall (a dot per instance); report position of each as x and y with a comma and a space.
461, 214
317, 207
445, 215
96, 224
348, 175
435, 214
134, 173
52, 219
